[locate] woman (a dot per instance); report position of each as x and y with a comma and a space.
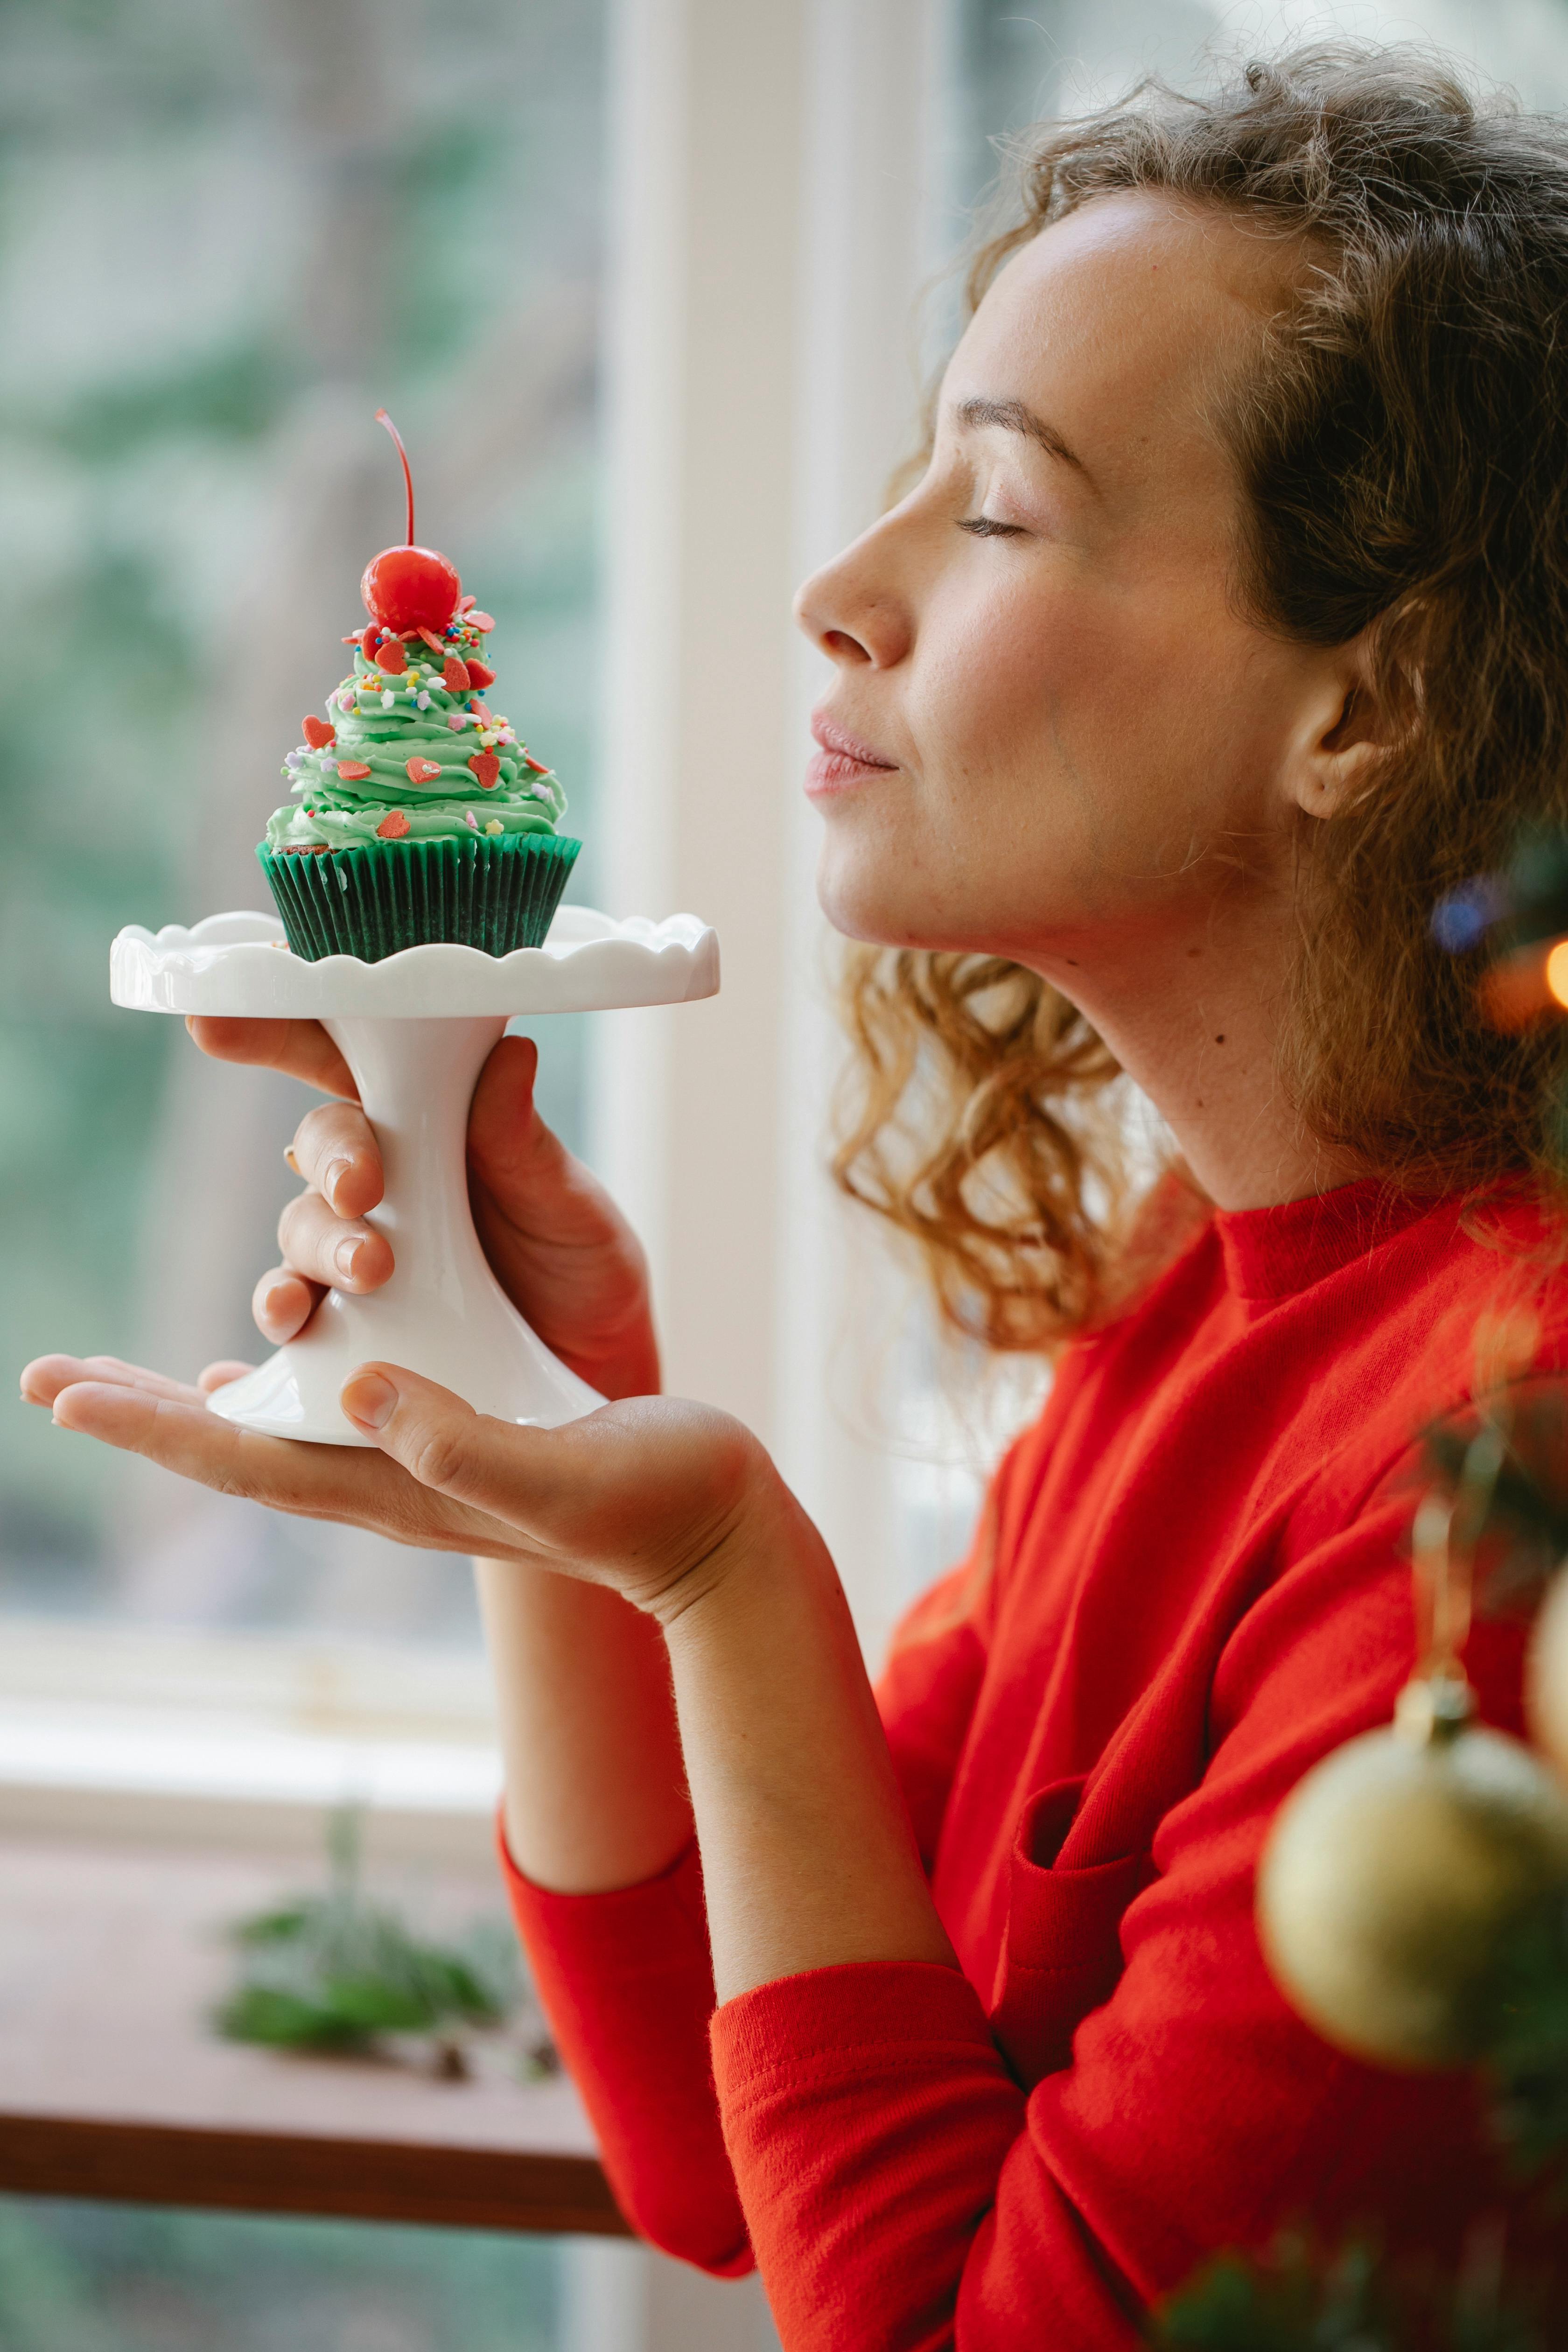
1226, 630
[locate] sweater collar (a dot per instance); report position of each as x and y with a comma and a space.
1274, 1252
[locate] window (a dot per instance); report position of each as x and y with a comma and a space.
230, 233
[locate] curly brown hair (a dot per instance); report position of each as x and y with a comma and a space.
1403, 448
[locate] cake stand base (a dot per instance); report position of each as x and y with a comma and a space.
443, 1313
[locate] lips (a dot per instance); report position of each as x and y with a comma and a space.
842, 759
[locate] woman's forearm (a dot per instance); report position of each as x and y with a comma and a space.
596, 1795
808, 1859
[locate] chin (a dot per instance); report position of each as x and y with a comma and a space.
880, 901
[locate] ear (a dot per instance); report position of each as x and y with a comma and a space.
1343, 739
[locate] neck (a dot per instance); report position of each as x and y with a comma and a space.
1192, 1010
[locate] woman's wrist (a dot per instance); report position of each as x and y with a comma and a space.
808, 1854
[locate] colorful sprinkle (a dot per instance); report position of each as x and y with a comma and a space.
495, 825
422, 701
389, 699
487, 769
457, 721
350, 771
421, 772
393, 826
319, 733
470, 819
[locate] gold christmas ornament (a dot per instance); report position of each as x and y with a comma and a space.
1397, 1870
1547, 1685
1400, 1867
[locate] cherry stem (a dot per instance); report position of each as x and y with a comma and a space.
381, 418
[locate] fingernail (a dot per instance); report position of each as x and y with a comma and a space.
333, 1176
290, 1158
346, 1251
369, 1399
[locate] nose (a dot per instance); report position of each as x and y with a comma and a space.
853, 611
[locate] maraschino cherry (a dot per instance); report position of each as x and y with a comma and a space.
409, 588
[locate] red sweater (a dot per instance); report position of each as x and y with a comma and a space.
1198, 1589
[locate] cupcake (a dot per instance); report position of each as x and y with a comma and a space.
417, 814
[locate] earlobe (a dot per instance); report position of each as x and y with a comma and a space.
1342, 749
1335, 781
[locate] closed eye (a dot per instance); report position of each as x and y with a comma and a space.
982, 527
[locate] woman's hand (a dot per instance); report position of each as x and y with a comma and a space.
559, 1246
650, 1496
808, 1855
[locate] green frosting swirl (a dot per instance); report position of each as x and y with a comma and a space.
382, 719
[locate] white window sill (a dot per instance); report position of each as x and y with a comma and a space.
243, 1741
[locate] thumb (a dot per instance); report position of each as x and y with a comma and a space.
510, 1471
632, 1494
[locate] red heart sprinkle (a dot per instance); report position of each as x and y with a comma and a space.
319, 734
422, 771
391, 657
480, 620
436, 644
479, 675
485, 717
350, 771
487, 769
455, 675
537, 765
367, 638
393, 826
467, 605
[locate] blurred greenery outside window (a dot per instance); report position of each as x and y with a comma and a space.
229, 230
97, 2278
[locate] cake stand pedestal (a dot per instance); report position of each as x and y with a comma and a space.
415, 1030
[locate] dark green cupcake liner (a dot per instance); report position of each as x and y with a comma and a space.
497, 894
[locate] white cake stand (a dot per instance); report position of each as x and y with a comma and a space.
416, 1031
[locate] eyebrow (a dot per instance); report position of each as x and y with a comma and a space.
1015, 416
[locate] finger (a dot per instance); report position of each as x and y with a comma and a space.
335, 1149
344, 1254
218, 1376
501, 1115
301, 1049
323, 1482
43, 1380
283, 1304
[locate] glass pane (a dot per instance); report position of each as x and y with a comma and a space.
1007, 66
118, 2278
229, 230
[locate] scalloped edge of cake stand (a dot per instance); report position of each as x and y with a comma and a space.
240, 965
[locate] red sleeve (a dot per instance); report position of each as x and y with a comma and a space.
902, 2194
627, 1985
626, 1981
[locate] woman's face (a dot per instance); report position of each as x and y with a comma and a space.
1072, 739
